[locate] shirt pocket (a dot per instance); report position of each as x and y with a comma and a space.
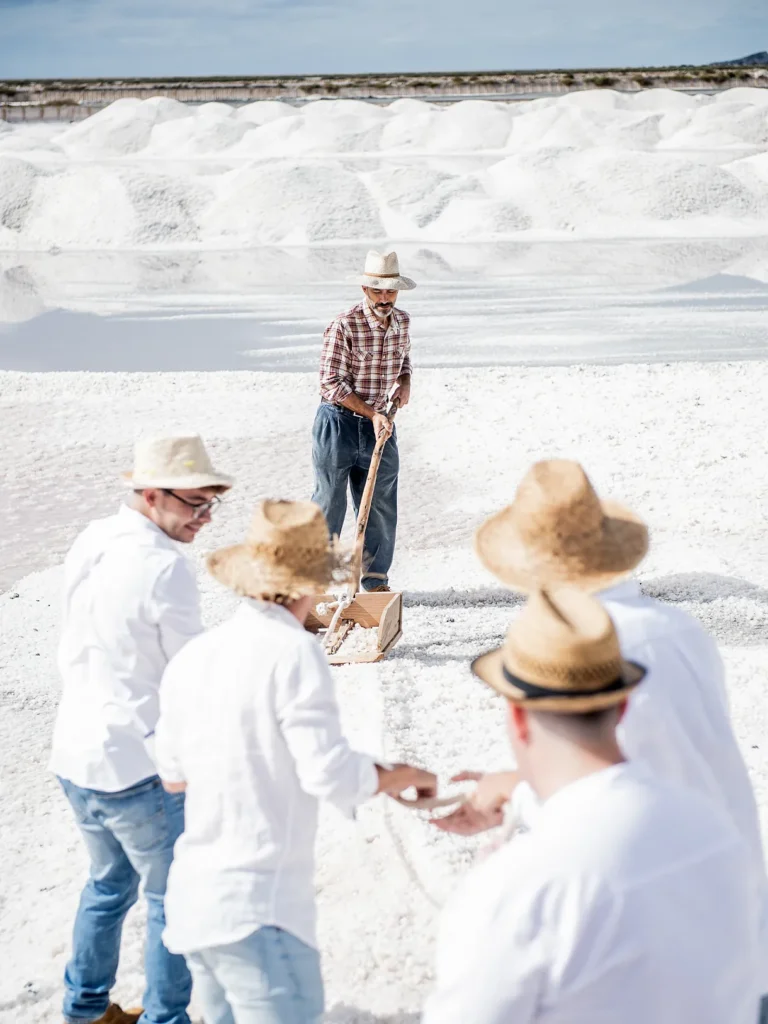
365, 355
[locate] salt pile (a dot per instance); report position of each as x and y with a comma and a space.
359, 640
159, 174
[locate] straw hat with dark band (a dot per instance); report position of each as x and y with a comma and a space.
287, 553
561, 654
557, 530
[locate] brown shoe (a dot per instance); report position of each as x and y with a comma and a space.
381, 589
117, 1015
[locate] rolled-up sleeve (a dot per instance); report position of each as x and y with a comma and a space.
336, 378
407, 369
309, 720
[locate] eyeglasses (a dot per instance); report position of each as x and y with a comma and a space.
200, 508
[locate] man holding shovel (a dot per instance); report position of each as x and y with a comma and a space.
365, 360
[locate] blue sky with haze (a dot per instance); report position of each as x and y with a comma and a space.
52, 38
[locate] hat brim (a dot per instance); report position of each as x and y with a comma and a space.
391, 284
237, 568
623, 545
194, 482
490, 669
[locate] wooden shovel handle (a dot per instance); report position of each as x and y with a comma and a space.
365, 503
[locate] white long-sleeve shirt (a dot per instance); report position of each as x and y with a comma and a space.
249, 721
130, 603
678, 722
629, 900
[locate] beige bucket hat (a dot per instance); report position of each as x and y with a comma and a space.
557, 530
287, 552
174, 463
382, 270
561, 654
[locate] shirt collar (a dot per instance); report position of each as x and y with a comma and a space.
624, 590
138, 521
270, 610
584, 789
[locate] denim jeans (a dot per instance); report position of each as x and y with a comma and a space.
269, 978
130, 837
342, 446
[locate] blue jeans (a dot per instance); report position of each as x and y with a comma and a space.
130, 837
342, 446
269, 978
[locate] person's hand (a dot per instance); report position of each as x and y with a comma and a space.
484, 809
381, 423
395, 780
403, 395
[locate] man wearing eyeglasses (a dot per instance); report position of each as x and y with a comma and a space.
130, 604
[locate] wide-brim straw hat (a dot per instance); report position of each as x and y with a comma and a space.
179, 463
382, 270
557, 531
287, 552
561, 654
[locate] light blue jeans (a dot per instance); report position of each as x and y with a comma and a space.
130, 837
269, 978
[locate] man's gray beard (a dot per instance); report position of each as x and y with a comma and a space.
380, 313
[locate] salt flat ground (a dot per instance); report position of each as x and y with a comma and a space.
681, 442
501, 304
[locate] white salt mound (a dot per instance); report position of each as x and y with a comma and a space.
592, 164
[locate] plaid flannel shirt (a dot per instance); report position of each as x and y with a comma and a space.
361, 354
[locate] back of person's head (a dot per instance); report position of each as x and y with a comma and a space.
564, 677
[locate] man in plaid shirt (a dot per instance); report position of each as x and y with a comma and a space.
365, 351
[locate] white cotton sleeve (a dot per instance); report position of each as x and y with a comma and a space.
161, 744
489, 965
309, 720
177, 606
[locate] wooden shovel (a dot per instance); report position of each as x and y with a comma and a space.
339, 628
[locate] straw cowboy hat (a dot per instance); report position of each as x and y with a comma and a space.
561, 654
557, 530
173, 463
287, 552
382, 270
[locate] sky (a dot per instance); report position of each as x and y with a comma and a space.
92, 38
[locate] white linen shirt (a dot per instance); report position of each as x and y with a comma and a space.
629, 900
130, 603
248, 719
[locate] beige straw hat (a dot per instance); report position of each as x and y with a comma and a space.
561, 654
287, 552
382, 270
557, 530
173, 463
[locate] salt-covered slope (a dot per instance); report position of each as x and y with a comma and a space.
157, 173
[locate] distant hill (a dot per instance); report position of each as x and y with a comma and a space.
753, 60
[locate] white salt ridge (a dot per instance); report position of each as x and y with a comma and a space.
592, 164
